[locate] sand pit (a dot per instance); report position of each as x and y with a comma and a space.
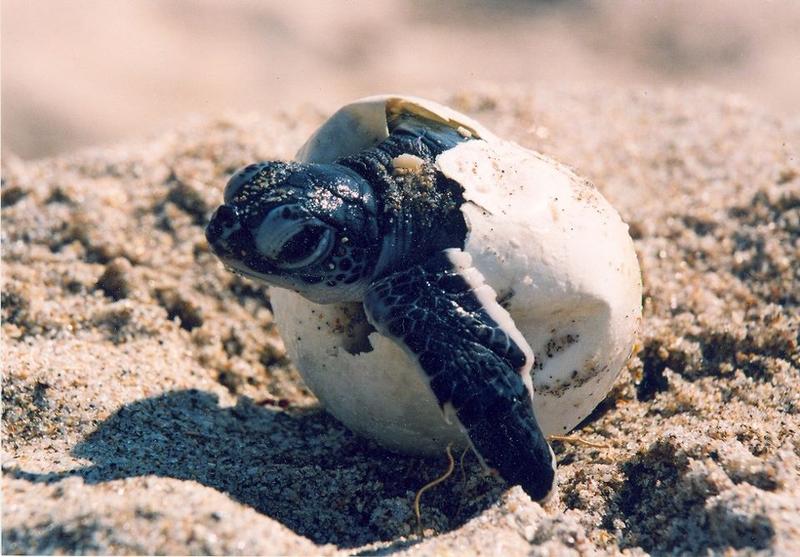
149, 406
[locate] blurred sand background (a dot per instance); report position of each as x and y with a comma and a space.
92, 72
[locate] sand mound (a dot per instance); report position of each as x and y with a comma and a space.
149, 406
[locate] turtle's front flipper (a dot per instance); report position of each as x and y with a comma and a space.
444, 314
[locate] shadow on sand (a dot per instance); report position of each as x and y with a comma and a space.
303, 469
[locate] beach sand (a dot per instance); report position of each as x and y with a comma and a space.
148, 406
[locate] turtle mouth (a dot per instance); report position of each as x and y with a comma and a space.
243, 271
241, 268
261, 270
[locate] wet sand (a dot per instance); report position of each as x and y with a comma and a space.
149, 406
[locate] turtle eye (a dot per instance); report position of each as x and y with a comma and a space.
294, 244
305, 247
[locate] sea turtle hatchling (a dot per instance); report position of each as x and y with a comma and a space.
432, 277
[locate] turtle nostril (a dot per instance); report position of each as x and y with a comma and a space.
222, 223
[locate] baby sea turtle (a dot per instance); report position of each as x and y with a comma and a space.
432, 277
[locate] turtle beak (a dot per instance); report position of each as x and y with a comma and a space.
233, 244
223, 227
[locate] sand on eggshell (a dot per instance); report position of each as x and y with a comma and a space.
148, 406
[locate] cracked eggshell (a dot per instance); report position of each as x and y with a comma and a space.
557, 254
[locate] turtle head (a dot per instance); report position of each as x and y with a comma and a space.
311, 228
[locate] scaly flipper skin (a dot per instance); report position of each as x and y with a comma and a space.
449, 320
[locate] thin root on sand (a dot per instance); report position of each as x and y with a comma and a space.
578, 441
450, 467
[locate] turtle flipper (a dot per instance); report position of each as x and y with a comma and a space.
444, 314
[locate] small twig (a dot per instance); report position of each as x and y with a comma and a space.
577, 440
431, 484
461, 463
463, 480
